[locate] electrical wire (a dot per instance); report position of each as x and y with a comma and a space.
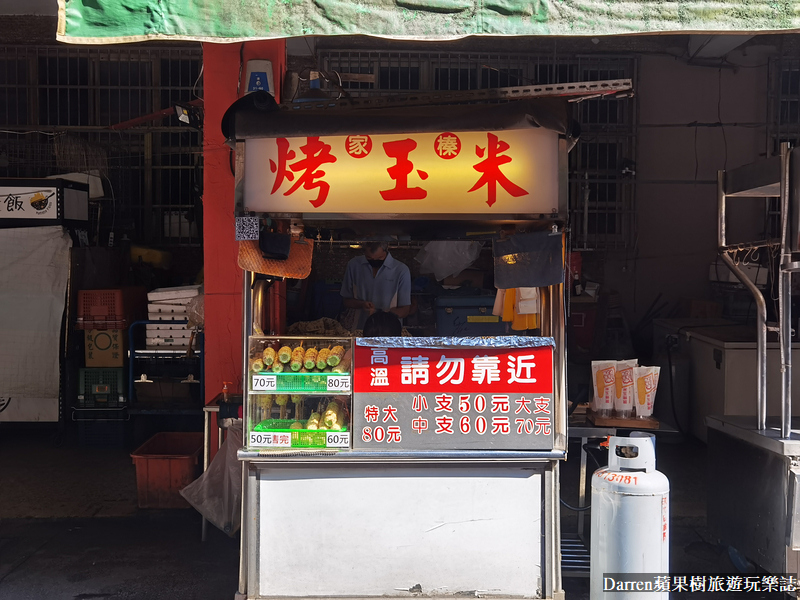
585, 508
241, 65
113, 203
575, 508
719, 119
199, 75
672, 388
50, 133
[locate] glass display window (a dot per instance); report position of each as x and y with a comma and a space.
299, 392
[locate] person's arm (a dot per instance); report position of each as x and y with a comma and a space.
403, 295
356, 303
401, 311
348, 299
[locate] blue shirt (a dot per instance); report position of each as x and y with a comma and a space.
390, 288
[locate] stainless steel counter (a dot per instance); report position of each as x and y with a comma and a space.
744, 428
754, 490
416, 457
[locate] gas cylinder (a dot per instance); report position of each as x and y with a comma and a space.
630, 521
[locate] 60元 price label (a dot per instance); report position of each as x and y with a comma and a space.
337, 439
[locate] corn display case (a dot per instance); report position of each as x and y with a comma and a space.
299, 392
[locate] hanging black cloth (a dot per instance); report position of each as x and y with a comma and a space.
528, 260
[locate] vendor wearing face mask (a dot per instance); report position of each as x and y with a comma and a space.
376, 281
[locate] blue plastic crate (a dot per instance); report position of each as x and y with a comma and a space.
467, 316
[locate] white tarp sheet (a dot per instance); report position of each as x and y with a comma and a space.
34, 268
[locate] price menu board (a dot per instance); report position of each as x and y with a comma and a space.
453, 398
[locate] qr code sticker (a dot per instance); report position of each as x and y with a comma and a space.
246, 228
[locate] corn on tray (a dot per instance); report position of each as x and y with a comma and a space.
307, 383
300, 437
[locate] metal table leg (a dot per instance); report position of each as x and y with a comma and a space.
582, 490
206, 453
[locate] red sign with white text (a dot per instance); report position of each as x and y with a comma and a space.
453, 398
474, 370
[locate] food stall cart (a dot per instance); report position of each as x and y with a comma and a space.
754, 461
390, 467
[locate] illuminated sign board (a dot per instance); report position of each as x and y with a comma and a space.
488, 172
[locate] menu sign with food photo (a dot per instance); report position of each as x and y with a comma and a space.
452, 398
28, 203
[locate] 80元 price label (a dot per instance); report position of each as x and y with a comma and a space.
339, 383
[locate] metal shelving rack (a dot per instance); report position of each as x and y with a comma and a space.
165, 354
748, 517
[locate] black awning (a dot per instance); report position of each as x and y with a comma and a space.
257, 115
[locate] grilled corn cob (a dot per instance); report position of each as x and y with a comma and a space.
264, 407
285, 354
322, 358
298, 354
342, 367
310, 360
313, 421
332, 414
281, 400
269, 356
335, 356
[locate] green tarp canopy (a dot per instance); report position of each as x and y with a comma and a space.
109, 21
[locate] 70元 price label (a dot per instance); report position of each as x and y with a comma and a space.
339, 383
264, 383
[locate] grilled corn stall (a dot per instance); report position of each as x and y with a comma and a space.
399, 466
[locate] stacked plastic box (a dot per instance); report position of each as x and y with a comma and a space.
168, 306
100, 409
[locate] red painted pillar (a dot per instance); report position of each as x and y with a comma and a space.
223, 277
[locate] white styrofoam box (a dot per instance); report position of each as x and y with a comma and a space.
173, 333
181, 342
166, 316
173, 302
92, 178
719, 271
166, 326
178, 225
166, 308
170, 293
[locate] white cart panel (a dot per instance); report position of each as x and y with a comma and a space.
382, 530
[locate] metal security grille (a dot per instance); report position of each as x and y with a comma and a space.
783, 121
602, 167
784, 102
57, 107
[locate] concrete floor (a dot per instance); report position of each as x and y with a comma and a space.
70, 526
148, 556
